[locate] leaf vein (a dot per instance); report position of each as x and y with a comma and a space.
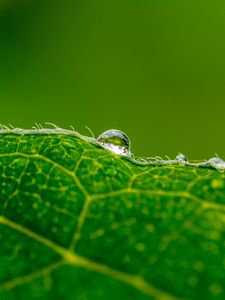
73, 259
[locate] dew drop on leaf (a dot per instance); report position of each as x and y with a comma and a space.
115, 141
181, 158
217, 163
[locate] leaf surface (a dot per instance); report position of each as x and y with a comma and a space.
77, 222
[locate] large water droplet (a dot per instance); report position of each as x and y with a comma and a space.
181, 158
115, 141
216, 163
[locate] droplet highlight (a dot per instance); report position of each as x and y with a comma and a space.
115, 141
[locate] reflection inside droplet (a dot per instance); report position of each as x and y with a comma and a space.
115, 141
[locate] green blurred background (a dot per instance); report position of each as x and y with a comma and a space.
154, 69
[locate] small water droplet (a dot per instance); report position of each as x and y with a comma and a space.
217, 163
115, 141
181, 158
17, 130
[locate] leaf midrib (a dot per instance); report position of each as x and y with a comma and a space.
71, 258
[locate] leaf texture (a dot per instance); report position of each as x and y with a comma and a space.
77, 222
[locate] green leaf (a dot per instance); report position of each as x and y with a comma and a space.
78, 222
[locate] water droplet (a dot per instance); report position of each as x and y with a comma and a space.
115, 141
217, 163
181, 158
18, 130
